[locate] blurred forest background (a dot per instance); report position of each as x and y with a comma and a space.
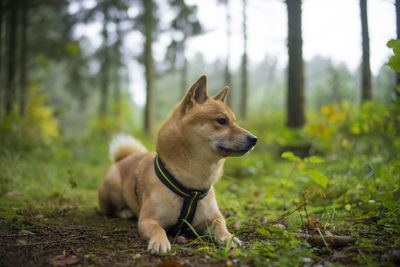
321, 187
66, 66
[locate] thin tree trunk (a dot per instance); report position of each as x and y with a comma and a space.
105, 66
117, 93
335, 84
23, 56
366, 92
185, 62
398, 37
1, 58
295, 96
10, 89
228, 78
243, 101
118, 58
149, 119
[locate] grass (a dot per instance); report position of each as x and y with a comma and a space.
351, 188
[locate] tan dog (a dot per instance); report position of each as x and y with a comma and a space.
193, 143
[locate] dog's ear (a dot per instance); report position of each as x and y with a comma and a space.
197, 93
222, 95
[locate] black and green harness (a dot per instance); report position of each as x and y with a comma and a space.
190, 197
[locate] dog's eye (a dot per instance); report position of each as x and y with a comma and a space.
221, 121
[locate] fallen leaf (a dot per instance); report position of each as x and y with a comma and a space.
63, 260
314, 223
169, 263
136, 256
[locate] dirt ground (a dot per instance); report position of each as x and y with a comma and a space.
72, 237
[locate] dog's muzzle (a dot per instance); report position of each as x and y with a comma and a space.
240, 148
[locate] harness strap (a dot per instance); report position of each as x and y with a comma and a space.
190, 196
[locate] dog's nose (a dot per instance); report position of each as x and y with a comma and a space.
252, 139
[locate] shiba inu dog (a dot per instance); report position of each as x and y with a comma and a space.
174, 186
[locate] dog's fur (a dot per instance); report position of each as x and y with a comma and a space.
193, 143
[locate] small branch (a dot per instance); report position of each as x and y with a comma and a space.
287, 214
331, 241
323, 239
305, 209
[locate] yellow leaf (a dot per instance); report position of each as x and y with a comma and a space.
327, 110
301, 165
347, 207
136, 256
345, 143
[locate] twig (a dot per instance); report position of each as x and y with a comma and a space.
334, 241
287, 214
323, 239
305, 209
363, 256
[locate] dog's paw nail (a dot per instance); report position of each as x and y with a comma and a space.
159, 247
236, 241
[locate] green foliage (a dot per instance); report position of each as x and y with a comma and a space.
394, 61
308, 170
350, 187
39, 124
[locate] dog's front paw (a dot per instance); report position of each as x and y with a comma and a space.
125, 214
237, 241
159, 245
228, 238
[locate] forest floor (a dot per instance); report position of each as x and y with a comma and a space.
340, 207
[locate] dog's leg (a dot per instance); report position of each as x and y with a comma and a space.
105, 205
221, 233
111, 200
152, 231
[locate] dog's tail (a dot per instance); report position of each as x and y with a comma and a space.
123, 145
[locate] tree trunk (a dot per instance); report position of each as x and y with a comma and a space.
118, 59
9, 95
185, 62
243, 101
228, 78
398, 37
117, 93
1, 58
366, 92
335, 84
23, 56
105, 66
149, 119
295, 96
